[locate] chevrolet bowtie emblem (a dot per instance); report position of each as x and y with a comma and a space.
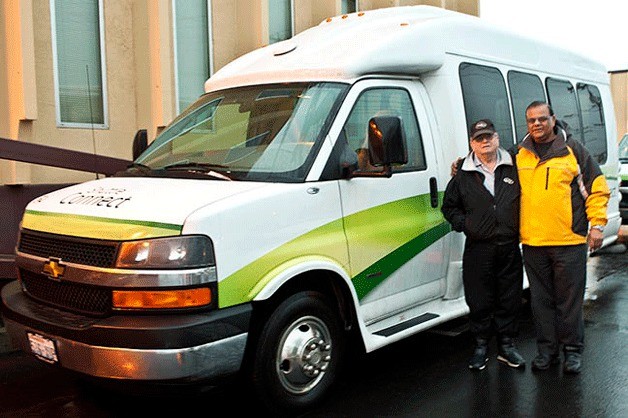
54, 269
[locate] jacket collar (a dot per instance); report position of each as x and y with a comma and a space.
557, 149
503, 157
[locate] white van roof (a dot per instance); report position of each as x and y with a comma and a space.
407, 40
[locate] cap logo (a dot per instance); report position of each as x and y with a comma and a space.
480, 125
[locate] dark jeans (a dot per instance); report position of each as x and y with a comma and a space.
493, 280
557, 276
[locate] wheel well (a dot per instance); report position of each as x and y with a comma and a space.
325, 282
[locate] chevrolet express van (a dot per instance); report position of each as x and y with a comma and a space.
294, 209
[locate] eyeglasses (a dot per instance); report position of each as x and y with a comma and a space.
541, 119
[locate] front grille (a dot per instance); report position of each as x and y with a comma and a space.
89, 252
89, 300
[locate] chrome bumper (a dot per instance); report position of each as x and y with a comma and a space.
211, 360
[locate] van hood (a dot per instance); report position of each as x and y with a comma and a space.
127, 207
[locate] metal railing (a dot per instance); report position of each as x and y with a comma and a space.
14, 198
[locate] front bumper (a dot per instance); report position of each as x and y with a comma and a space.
178, 347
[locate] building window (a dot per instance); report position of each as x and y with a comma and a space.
349, 6
192, 29
280, 20
79, 63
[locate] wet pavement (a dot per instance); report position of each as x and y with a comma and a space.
427, 376
422, 376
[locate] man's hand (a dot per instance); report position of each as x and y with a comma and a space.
454, 166
595, 238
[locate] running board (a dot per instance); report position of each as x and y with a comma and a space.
451, 328
387, 332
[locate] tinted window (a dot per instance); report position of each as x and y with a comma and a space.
524, 89
384, 102
562, 97
592, 112
484, 95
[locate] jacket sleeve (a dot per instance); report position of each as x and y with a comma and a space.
592, 184
452, 207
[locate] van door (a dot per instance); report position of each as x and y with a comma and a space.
393, 224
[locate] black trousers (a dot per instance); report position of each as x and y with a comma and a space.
493, 282
557, 276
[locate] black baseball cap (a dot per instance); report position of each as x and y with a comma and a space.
481, 127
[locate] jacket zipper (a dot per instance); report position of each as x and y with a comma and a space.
546, 177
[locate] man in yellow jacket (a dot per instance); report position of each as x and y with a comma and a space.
564, 196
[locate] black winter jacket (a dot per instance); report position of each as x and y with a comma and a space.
470, 208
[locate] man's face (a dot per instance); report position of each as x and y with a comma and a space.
485, 144
540, 123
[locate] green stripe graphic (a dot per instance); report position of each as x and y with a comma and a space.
407, 227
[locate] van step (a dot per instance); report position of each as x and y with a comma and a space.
451, 328
387, 332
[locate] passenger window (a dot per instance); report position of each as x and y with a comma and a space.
524, 89
592, 113
484, 96
384, 102
562, 98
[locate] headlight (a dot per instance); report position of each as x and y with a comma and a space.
188, 251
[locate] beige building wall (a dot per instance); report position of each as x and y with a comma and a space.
619, 91
139, 56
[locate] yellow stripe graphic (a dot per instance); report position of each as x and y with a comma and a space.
95, 227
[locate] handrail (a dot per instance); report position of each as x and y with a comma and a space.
58, 157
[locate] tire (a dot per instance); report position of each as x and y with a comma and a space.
298, 353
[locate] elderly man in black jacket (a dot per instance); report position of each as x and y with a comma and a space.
482, 201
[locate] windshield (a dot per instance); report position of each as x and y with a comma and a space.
623, 149
259, 133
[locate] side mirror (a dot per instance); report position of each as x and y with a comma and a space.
387, 143
140, 143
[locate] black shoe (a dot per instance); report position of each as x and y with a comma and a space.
544, 361
573, 362
509, 355
479, 358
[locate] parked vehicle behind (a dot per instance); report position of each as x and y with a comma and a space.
623, 188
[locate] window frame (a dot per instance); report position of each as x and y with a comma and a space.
421, 144
210, 51
292, 23
510, 82
576, 132
103, 69
503, 142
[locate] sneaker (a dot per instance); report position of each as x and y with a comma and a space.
573, 362
544, 361
509, 355
479, 358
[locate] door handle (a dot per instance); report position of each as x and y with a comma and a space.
433, 192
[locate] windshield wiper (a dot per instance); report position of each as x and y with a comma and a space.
139, 167
204, 168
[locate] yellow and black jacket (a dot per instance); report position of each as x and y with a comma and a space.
561, 193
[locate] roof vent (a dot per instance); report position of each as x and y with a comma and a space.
284, 48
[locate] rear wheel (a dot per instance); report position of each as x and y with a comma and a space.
298, 353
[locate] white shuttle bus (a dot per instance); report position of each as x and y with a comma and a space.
293, 209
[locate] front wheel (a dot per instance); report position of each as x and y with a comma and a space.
298, 353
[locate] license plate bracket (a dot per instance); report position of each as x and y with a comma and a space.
43, 348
